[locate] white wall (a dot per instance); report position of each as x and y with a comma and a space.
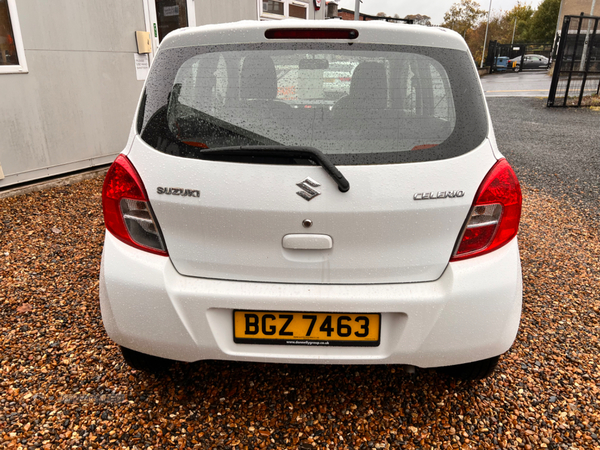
75, 106
210, 11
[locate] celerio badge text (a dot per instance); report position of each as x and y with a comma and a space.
438, 195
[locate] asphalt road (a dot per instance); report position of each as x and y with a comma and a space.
555, 149
532, 83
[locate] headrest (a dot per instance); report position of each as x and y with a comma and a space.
369, 82
259, 78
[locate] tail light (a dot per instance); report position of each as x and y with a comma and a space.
127, 212
495, 214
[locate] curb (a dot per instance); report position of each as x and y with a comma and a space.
483, 71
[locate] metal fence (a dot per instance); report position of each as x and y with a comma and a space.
577, 65
497, 51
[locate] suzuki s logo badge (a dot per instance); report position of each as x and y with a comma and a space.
307, 192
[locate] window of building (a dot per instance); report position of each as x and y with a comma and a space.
283, 9
170, 15
298, 11
12, 58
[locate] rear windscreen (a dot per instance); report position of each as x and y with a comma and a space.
358, 104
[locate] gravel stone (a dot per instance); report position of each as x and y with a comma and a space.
65, 385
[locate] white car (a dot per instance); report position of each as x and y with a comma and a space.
253, 221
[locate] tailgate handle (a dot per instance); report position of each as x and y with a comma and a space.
307, 242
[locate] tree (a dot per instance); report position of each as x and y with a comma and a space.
501, 25
381, 14
542, 26
501, 28
497, 30
522, 14
419, 19
463, 16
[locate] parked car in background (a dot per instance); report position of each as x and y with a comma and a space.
529, 62
251, 217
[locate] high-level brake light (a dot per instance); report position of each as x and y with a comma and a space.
311, 33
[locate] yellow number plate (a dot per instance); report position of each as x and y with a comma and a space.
305, 328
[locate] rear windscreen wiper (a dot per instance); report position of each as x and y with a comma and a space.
310, 153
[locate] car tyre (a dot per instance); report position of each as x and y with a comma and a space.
475, 370
146, 363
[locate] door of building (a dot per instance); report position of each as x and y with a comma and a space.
164, 16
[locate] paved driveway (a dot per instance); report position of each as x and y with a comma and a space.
535, 83
554, 150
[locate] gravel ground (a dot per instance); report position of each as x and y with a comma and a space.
65, 385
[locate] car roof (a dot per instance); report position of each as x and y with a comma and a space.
370, 32
530, 54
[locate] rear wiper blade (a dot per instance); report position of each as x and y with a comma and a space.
310, 153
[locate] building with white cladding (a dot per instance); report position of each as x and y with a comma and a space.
71, 73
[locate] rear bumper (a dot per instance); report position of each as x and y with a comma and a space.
471, 312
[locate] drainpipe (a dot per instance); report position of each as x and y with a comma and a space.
559, 22
584, 53
357, 10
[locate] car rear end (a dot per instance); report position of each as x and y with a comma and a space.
256, 216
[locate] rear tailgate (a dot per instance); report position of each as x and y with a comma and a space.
398, 223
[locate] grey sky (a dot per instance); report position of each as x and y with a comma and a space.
432, 8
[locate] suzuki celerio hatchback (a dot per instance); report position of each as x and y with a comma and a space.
267, 210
